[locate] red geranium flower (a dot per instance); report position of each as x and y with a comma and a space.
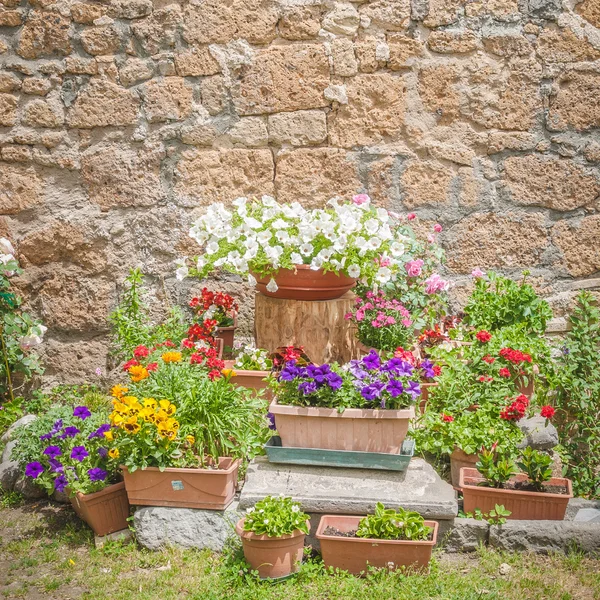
141, 351
504, 372
437, 370
490, 360
187, 343
214, 374
447, 418
483, 336
547, 411
514, 356
152, 367
129, 364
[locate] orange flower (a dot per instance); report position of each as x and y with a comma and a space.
171, 357
138, 373
118, 391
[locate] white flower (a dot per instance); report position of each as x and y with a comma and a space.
384, 274
200, 263
34, 337
250, 510
266, 521
374, 243
354, 271
6, 247
397, 249
263, 237
316, 263
182, 270
325, 254
272, 286
296, 258
306, 249
251, 279
239, 202
371, 226
252, 223
282, 236
6, 258
280, 224
383, 215
340, 243
212, 247
385, 233
233, 256
295, 508
268, 201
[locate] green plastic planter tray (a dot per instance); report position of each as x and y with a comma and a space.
340, 458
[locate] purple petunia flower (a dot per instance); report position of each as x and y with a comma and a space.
413, 389
290, 371
394, 388
34, 470
52, 451
79, 453
70, 432
392, 365
271, 418
55, 429
307, 387
427, 368
102, 452
60, 483
405, 369
370, 392
318, 373
99, 433
371, 361
45, 437
357, 370
334, 381
56, 466
97, 474
83, 412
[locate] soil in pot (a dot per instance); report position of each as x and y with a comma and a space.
527, 486
351, 533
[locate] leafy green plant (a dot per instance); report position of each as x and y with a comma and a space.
499, 302
537, 465
275, 516
496, 516
496, 470
577, 398
250, 358
390, 524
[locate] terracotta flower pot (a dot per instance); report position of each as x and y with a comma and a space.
226, 334
364, 430
105, 511
303, 283
458, 460
272, 557
357, 554
531, 506
211, 489
252, 380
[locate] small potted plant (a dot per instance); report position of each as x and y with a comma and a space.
219, 307
364, 406
385, 539
76, 457
531, 495
272, 534
250, 367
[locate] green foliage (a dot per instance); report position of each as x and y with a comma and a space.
496, 516
389, 524
10, 499
10, 411
496, 470
537, 465
499, 302
276, 517
577, 398
68, 395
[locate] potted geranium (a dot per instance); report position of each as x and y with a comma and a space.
250, 368
76, 457
272, 534
220, 307
363, 406
290, 252
386, 539
531, 495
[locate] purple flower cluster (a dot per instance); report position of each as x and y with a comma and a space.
313, 377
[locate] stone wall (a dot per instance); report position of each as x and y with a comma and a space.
119, 118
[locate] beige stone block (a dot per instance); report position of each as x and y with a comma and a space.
160, 30
425, 183
74, 361
16, 153
283, 78
198, 62
39, 113
439, 91
498, 141
10, 18
555, 183
9, 82
103, 104
300, 128
99, 41
392, 15
20, 188
578, 242
36, 86
496, 8
81, 66
44, 34
8, 110
563, 46
206, 176
375, 111
300, 22
169, 99
577, 104
590, 11
314, 175
508, 45
402, 48
511, 240
452, 42
135, 70
344, 59
130, 9
249, 131
86, 13
213, 92
369, 60
442, 12
341, 19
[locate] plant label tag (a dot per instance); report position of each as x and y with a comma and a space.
177, 485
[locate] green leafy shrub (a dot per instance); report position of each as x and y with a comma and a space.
275, 517
389, 524
496, 470
537, 466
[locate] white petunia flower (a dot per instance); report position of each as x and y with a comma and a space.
316, 263
268, 201
200, 263
272, 286
282, 236
306, 249
280, 224
397, 249
383, 215
371, 226
354, 271
374, 243
384, 274
251, 279
212, 247
296, 258
182, 270
263, 237
252, 223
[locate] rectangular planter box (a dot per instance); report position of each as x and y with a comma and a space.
211, 489
252, 380
523, 505
362, 430
357, 554
105, 511
340, 458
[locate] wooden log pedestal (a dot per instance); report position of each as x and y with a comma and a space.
319, 326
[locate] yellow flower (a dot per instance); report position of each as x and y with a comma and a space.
120, 408
149, 402
171, 357
164, 431
138, 373
167, 407
146, 414
228, 372
172, 424
131, 425
109, 434
190, 439
118, 391
113, 452
160, 416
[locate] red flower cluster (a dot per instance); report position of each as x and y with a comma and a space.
485, 378
208, 357
447, 418
514, 356
516, 410
437, 370
141, 351
130, 363
547, 412
218, 299
504, 372
405, 355
490, 360
203, 331
483, 336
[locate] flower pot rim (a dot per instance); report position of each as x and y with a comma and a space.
250, 535
245, 372
230, 327
235, 462
349, 413
109, 489
323, 523
474, 473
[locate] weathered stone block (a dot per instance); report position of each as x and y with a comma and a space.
36, 86
86, 13
392, 15
466, 535
545, 9
44, 34
197, 62
135, 70
83, 358
206, 176
249, 131
43, 114
508, 45
101, 40
341, 19
169, 99
283, 78
344, 59
401, 49
439, 91
9, 82
158, 31
20, 188
10, 18
369, 55
300, 128
425, 184
81, 66
578, 242
314, 175
300, 22
590, 11
577, 104
8, 110
555, 183
130, 9
442, 12
563, 46
452, 42
375, 111
213, 92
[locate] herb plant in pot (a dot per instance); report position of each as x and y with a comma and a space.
531, 495
272, 534
250, 367
385, 539
364, 406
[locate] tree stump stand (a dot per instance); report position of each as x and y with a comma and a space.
318, 326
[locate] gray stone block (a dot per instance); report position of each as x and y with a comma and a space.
577, 504
545, 537
537, 434
466, 535
8, 450
331, 490
158, 527
544, 9
25, 420
9, 474
588, 515
29, 488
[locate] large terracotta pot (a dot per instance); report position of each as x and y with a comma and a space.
363, 430
105, 511
532, 506
357, 554
226, 334
252, 380
272, 557
458, 460
211, 489
303, 283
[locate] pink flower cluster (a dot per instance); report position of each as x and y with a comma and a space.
436, 284
414, 267
380, 303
